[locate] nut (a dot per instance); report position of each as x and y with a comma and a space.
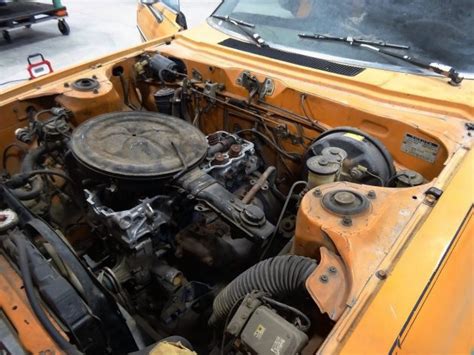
235, 150
372, 195
219, 159
347, 221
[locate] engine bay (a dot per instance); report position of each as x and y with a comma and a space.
165, 199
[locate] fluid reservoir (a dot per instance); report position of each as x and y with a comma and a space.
322, 170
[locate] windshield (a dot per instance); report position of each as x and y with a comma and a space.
436, 30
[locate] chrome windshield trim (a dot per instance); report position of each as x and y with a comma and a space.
142, 35
158, 15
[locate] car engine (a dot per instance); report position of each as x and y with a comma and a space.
176, 224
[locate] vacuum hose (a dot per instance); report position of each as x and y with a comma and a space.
279, 277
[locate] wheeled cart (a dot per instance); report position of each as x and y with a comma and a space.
24, 14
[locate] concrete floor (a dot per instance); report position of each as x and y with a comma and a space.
97, 28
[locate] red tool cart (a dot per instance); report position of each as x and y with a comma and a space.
15, 15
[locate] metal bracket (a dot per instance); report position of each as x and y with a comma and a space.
211, 89
433, 194
255, 87
196, 75
268, 88
283, 132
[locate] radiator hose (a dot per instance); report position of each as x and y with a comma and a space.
279, 277
29, 162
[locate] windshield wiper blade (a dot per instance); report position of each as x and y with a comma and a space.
442, 69
255, 37
228, 19
352, 40
438, 68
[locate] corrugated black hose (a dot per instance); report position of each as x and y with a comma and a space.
278, 277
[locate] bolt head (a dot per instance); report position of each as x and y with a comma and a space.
372, 195
324, 278
235, 149
219, 159
232, 328
347, 221
332, 270
381, 274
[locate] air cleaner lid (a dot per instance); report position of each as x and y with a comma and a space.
138, 145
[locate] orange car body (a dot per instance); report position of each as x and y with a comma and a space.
405, 277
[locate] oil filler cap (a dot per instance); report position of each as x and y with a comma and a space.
345, 202
253, 215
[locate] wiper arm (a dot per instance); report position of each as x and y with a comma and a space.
228, 19
352, 40
255, 37
438, 68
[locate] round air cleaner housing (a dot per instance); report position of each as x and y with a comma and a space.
138, 145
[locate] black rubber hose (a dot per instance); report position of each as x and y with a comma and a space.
184, 109
28, 164
278, 277
26, 195
7, 150
34, 302
32, 157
